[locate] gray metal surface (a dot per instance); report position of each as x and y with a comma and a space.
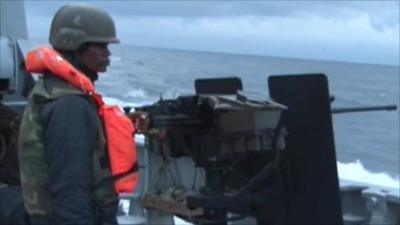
12, 19
372, 203
7, 59
315, 197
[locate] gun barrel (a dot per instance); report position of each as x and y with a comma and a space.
364, 109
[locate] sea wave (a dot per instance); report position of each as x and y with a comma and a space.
355, 171
118, 102
138, 93
115, 58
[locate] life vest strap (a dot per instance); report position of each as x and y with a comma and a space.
112, 179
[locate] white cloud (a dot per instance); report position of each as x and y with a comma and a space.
306, 36
367, 32
280, 28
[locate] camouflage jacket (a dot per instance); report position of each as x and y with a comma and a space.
63, 155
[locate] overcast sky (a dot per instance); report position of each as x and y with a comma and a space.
354, 31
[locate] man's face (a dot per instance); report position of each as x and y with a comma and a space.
95, 57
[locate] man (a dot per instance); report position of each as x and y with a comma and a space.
63, 137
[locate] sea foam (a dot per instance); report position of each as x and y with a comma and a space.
355, 171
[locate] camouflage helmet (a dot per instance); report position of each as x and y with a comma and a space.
74, 25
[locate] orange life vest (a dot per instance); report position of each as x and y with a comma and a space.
118, 128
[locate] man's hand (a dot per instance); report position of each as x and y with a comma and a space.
140, 120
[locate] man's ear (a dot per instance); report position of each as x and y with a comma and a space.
82, 49
78, 55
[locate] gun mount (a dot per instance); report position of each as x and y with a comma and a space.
218, 153
206, 129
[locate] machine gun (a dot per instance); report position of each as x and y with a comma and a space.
235, 140
271, 161
217, 116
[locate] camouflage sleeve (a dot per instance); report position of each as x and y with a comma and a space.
69, 125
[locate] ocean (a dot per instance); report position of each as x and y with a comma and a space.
367, 143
